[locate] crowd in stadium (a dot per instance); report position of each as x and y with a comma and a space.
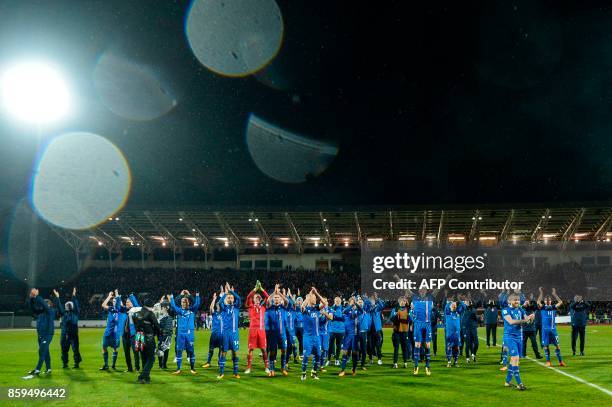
301, 324
95, 283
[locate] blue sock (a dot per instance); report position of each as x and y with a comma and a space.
416, 356
284, 358
235, 361
355, 360
222, 364
210, 355
517, 376
179, 362
448, 353
271, 363
344, 361
304, 362
509, 374
558, 353
323, 357
547, 354
115, 357
192, 362
105, 355
427, 356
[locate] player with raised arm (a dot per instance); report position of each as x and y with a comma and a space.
452, 330
185, 327
256, 304
514, 317
292, 349
351, 317
311, 339
230, 314
128, 331
423, 304
112, 332
324, 335
365, 321
376, 333
503, 303
336, 331
275, 321
45, 313
299, 324
549, 325
216, 340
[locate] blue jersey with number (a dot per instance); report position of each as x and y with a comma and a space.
452, 320
310, 321
185, 318
112, 319
513, 331
230, 314
422, 308
275, 318
217, 323
548, 314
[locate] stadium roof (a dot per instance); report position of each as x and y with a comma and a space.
297, 230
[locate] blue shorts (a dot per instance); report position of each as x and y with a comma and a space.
110, 341
215, 340
184, 342
290, 335
324, 342
350, 342
422, 332
550, 337
230, 341
275, 340
312, 345
453, 339
514, 345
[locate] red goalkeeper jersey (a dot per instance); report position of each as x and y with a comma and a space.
256, 311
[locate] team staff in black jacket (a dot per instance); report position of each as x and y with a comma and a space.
469, 325
490, 319
44, 312
529, 330
147, 329
70, 328
579, 311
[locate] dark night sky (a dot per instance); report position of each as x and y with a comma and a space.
429, 102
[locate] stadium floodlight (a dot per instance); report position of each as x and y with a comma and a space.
35, 93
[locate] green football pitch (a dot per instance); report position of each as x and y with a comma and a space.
587, 380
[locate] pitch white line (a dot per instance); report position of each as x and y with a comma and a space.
578, 379
571, 376
16, 329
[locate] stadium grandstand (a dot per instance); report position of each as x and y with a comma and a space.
170, 248
325, 230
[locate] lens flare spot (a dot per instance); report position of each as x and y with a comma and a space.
286, 156
81, 180
234, 38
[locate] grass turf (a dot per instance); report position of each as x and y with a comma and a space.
480, 384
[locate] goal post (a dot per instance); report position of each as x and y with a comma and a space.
7, 320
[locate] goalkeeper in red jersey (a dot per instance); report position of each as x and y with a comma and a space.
255, 302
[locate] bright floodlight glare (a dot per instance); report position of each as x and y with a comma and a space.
35, 93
